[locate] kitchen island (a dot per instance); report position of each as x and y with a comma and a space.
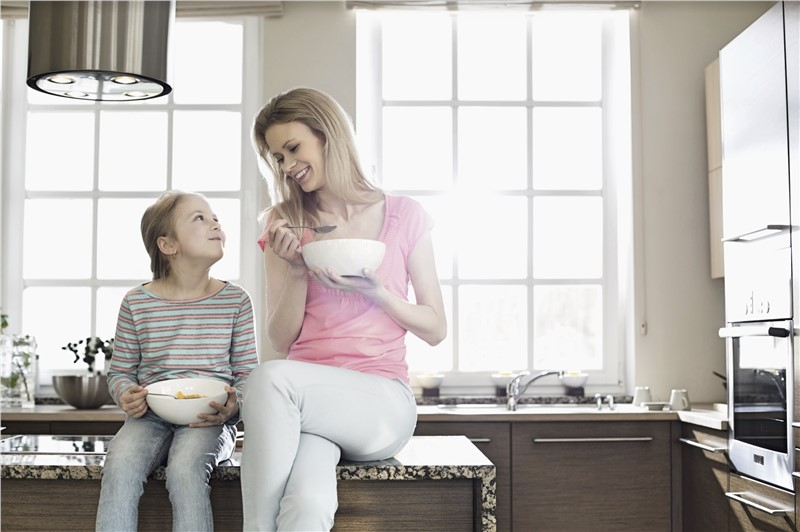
435, 482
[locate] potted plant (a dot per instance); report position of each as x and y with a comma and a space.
86, 391
92, 346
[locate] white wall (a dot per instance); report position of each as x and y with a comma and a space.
681, 304
313, 44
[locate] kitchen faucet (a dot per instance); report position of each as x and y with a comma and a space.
513, 389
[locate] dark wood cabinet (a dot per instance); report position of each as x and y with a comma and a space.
494, 441
592, 476
704, 478
756, 506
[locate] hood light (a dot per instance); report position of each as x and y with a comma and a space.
105, 50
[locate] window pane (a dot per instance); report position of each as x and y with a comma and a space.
492, 148
493, 327
207, 150
207, 60
228, 212
417, 148
491, 56
486, 250
440, 209
567, 238
57, 239
120, 251
567, 57
568, 327
109, 299
55, 316
420, 356
59, 151
133, 150
567, 148
417, 57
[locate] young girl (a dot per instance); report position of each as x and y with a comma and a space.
343, 391
181, 324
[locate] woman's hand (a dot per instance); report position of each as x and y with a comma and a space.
370, 285
224, 412
284, 243
132, 401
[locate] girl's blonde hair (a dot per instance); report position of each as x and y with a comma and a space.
158, 220
326, 118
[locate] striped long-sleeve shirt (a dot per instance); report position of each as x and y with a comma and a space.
159, 339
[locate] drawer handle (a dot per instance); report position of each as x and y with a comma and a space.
480, 440
592, 440
738, 497
695, 443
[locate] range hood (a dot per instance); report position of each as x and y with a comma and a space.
100, 49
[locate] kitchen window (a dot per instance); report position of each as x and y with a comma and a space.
512, 128
80, 174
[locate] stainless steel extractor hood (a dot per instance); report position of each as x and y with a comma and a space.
100, 49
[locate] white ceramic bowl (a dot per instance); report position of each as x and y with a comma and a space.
184, 411
501, 380
430, 381
346, 256
574, 380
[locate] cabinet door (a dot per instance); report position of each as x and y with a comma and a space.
705, 479
754, 145
494, 440
759, 507
591, 476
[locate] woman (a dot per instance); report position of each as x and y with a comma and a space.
343, 389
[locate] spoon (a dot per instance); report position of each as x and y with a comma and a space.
319, 229
162, 394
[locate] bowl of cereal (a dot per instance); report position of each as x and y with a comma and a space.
345, 256
178, 401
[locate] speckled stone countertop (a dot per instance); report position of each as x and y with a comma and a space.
468, 408
424, 458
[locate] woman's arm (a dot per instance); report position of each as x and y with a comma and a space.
425, 319
287, 284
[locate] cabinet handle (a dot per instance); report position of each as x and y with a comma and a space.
695, 443
592, 440
480, 440
754, 330
738, 497
758, 234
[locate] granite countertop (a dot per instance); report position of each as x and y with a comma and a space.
36, 457
451, 408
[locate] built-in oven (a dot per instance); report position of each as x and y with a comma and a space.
760, 400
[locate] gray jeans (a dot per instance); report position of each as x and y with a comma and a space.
140, 446
299, 419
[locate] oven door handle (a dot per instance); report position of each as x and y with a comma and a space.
737, 332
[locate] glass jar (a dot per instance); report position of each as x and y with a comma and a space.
18, 365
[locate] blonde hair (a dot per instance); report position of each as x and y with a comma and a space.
158, 220
326, 118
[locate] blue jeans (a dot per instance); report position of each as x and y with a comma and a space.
143, 444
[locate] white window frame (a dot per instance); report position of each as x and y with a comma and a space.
14, 109
616, 102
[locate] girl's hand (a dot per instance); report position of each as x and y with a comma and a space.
284, 243
132, 401
370, 285
224, 412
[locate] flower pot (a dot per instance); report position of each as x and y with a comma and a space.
84, 392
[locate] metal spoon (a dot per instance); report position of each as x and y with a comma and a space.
319, 229
162, 394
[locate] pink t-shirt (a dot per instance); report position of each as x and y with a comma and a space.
348, 330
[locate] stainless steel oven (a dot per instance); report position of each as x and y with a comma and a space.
760, 400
